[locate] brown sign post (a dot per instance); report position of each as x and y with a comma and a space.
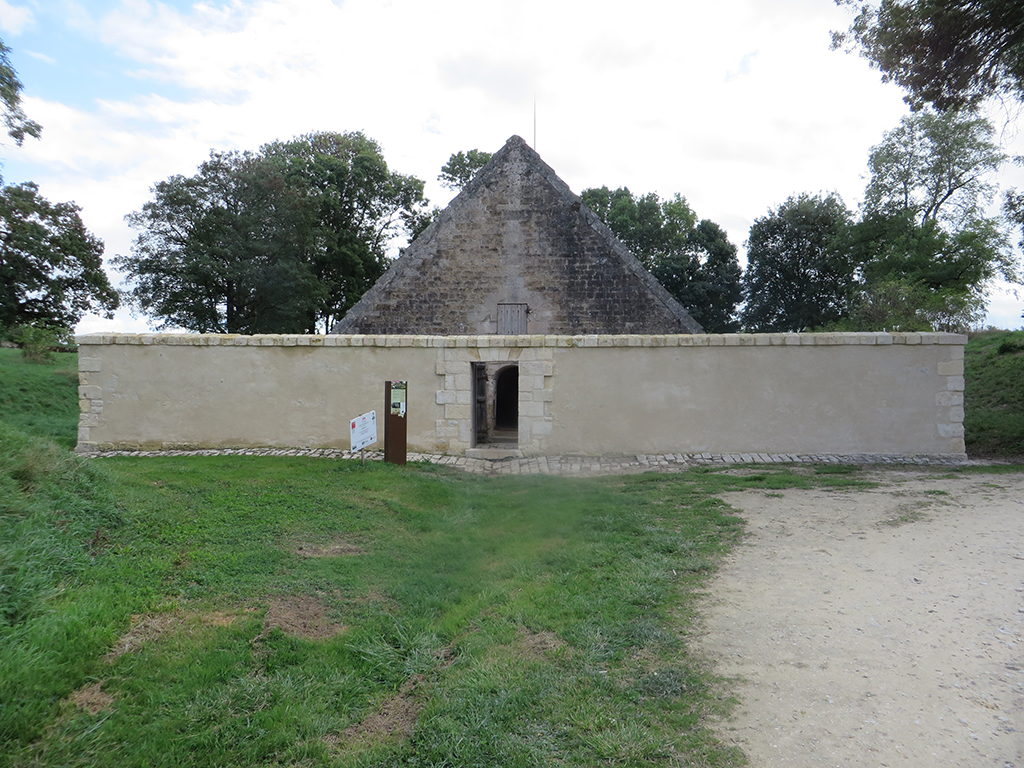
395, 402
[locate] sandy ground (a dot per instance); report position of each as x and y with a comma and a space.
876, 628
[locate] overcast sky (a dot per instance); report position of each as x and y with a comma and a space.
735, 104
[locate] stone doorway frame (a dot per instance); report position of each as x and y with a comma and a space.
455, 433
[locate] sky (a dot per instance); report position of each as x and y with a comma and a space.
735, 104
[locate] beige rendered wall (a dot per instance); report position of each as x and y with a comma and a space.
897, 394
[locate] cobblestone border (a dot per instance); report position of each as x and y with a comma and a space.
570, 466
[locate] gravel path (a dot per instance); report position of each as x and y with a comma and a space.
876, 628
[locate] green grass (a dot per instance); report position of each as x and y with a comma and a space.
40, 398
258, 611
520, 621
994, 395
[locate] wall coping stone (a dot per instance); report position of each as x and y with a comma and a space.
448, 342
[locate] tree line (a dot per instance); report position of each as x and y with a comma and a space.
288, 237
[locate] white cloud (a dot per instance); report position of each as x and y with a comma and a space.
14, 18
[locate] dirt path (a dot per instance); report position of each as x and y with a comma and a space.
876, 628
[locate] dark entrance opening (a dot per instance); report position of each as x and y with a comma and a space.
506, 399
495, 404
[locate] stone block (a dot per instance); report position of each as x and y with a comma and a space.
540, 427
89, 420
531, 408
951, 430
955, 383
536, 368
951, 368
90, 393
949, 398
445, 396
455, 411
446, 429
956, 414
89, 364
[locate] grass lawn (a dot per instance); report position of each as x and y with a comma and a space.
40, 398
290, 611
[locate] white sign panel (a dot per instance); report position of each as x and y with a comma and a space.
364, 430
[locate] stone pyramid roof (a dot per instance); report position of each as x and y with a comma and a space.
517, 236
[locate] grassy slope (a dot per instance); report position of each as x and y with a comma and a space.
40, 398
994, 396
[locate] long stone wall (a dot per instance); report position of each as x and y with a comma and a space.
840, 394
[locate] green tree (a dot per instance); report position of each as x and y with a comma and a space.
284, 240
50, 266
705, 277
15, 120
797, 279
462, 167
917, 276
947, 53
693, 260
924, 236
936, 166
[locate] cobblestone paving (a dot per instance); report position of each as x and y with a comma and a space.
570, 466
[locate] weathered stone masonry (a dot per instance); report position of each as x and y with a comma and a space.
517, 236
841, 394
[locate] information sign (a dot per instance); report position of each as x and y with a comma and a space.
364, 430
398, 398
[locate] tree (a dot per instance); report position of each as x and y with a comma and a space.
936, 167
1013, 208
797, 279
693, 260
50, 265
924, 236
705, 278
15, 121
462, 167
284, 240
917, 276
947, 53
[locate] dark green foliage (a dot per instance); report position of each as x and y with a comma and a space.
285, 240
693, 260
994, 394
797, 277
15, 120
462, 167
948, 53
706, 280
51, 270
918, 277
